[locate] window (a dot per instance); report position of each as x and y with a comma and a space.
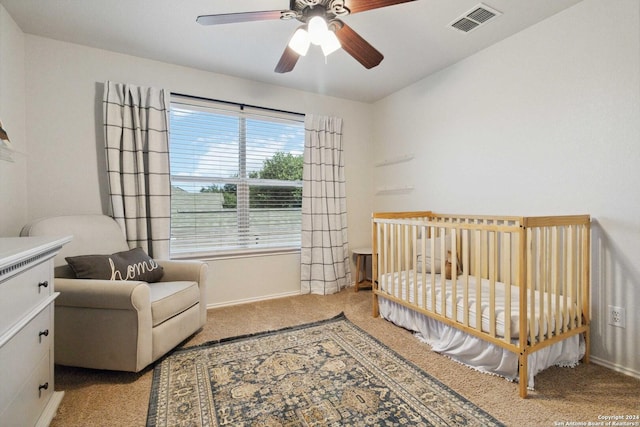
236, 178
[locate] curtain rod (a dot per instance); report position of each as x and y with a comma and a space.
201, 98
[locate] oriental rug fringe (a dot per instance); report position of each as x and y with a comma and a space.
329, 373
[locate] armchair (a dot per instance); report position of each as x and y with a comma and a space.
121, 325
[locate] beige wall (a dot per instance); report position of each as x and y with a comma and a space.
545, 122
13, 175
66, 162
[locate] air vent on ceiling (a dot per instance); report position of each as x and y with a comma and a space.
479, 15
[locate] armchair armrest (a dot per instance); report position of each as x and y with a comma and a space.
175, 270
103, 294
103, 324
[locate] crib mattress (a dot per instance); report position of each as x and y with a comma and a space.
398, 283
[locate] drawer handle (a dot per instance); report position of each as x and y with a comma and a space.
45, 333
41, 387
44, 284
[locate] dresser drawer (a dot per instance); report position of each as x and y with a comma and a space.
21, 293
27, 405
22, 353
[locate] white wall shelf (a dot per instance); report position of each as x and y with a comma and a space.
395, 160
397, 189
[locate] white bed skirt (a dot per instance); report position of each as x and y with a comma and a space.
477, 353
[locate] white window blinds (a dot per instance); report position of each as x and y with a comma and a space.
236, 178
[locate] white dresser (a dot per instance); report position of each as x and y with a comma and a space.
27, 395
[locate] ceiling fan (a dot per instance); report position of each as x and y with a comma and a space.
321, 25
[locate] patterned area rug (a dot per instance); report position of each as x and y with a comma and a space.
329, 373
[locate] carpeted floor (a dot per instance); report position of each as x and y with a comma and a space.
562, 395
323, 373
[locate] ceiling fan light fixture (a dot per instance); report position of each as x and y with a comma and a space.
317, 30
322, 26
330, 43
300, 41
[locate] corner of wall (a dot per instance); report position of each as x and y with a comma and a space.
13, 175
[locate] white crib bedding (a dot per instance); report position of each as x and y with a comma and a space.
477, 353
396, 284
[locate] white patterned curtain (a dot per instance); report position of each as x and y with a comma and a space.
137, 151
325, 265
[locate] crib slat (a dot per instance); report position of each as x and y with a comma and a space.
398, 266
392, 255
389, 244
400, 261
432, 248
555, 274
530, 288
478, 247
571, 274
397, 261
384, 247
406, 263
506, 255
578, 301
570, 278
547, 322
454, 276
540, 285
443, 288
414, 262
493, 248
562, 278
545, 298
423, 272
485, 259
465, 275
548, 292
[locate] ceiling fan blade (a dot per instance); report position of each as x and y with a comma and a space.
232, 18
287, 61
358, 47
356, 6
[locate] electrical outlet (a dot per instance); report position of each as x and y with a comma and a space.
617, 316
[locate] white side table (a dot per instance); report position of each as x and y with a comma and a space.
361, 268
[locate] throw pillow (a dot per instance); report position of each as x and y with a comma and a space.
134, 264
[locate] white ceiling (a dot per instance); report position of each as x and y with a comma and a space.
414, 38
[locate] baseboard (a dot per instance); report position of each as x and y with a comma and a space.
249, 300
615, 367
51, 409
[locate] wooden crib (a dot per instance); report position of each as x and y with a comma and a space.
501, 266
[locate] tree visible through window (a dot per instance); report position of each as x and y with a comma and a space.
236, 179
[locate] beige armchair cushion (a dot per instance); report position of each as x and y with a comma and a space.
171, 298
